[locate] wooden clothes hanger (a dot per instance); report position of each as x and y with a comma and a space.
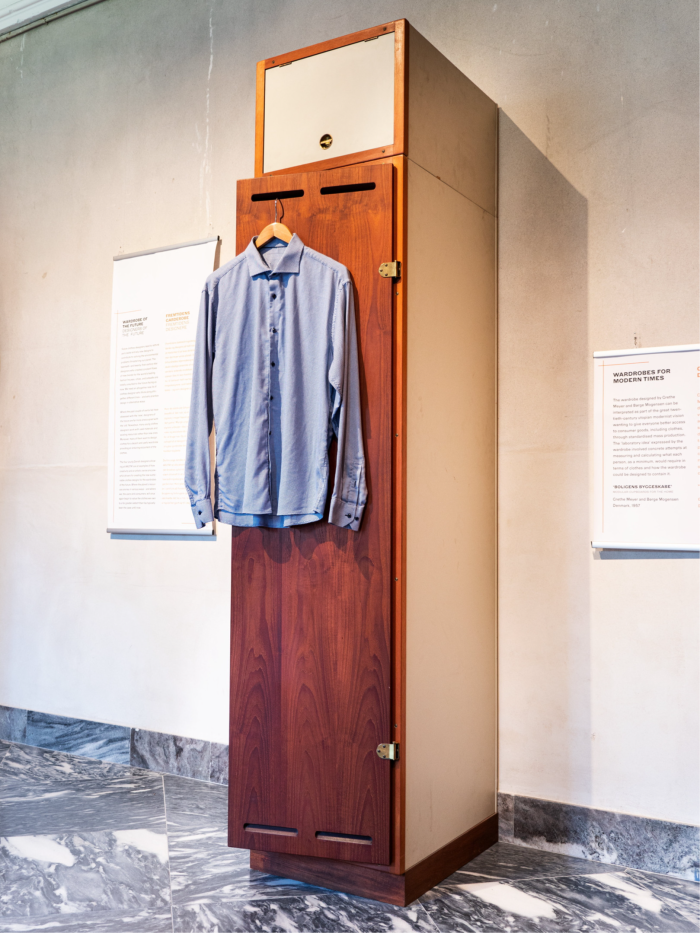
273, 230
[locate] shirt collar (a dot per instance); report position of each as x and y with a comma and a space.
288, 262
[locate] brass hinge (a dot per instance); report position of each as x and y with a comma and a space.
390, 751
390, 270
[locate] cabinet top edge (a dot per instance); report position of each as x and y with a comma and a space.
398, 26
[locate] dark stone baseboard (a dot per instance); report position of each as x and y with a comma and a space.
601, 835
154, 751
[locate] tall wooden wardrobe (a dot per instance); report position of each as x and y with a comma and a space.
363, 665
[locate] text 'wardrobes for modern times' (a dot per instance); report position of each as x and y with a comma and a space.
363, 664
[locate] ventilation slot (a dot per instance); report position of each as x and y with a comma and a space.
270, 830
346, 189
274, 195
345, 837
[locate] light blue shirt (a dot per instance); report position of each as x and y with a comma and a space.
275, 370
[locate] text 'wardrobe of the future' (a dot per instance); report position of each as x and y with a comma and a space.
363, 664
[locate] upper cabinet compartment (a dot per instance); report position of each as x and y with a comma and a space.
375, 94
331, 103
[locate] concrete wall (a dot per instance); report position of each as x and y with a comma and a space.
14, 13
124, 127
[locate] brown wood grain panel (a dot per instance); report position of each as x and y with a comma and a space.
338, 876
400, 85
259, 117
311, 605
330, 44
366, 881
398, 609
353, 158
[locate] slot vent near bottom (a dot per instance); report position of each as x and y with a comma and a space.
345, 837
270, 830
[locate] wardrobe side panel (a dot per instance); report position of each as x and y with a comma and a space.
452, 124
450, 746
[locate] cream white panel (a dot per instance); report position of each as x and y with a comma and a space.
347, 93
451, 516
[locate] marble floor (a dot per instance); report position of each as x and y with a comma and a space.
93, 846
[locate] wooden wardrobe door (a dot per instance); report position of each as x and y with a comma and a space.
311, 605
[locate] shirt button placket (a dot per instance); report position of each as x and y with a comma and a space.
272, 348
271, 282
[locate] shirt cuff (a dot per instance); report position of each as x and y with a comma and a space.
202, 513
345, 514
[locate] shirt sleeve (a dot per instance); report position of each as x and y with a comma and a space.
349, 486
197, 457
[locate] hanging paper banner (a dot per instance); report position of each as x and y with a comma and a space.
155, 303
646, 427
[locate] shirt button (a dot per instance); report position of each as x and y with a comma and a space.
272, 398
269, 432
273, 295
272, 363
274, 330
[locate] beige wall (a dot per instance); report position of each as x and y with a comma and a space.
125, 127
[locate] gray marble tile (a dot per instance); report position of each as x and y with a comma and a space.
13, 723
79, 736
466, 915
329, 913
201, 863
172, 754
618, 897
101, 921
51, 792
511, 862
505, 817
194, 804
608, 901
110, 875
204, 869
218, 769
69, 873
28, 764
615, 838
678, 893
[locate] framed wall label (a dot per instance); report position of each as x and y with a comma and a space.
155, 304
646, 428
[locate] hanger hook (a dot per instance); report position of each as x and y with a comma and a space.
275, 210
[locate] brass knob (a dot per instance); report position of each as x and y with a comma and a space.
326, 141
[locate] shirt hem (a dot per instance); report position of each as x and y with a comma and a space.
247, 520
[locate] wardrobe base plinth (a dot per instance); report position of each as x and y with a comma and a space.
378, 884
